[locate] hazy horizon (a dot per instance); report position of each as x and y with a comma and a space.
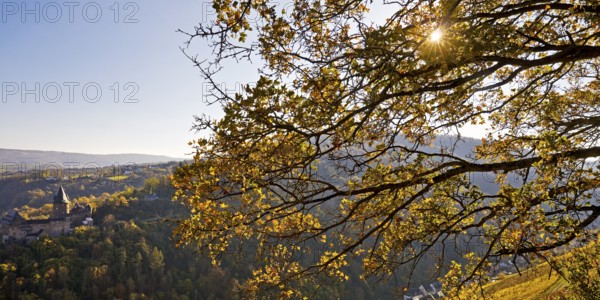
92, 153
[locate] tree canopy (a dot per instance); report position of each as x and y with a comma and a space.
348, 142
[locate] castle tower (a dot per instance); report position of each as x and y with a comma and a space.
60, 206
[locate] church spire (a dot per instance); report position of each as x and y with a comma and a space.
61, 196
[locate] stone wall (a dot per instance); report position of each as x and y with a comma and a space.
50, 227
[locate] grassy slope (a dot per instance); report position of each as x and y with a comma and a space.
535, 283
581, 266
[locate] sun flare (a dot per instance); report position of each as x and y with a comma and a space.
436, 35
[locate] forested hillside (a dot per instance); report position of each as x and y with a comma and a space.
131, 254
35, 188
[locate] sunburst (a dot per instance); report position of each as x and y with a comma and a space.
436, 36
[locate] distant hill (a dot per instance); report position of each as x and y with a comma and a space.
76, 160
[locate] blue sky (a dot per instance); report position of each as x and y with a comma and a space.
82, 48
80, 51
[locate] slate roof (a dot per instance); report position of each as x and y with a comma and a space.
61, 196
12, 217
